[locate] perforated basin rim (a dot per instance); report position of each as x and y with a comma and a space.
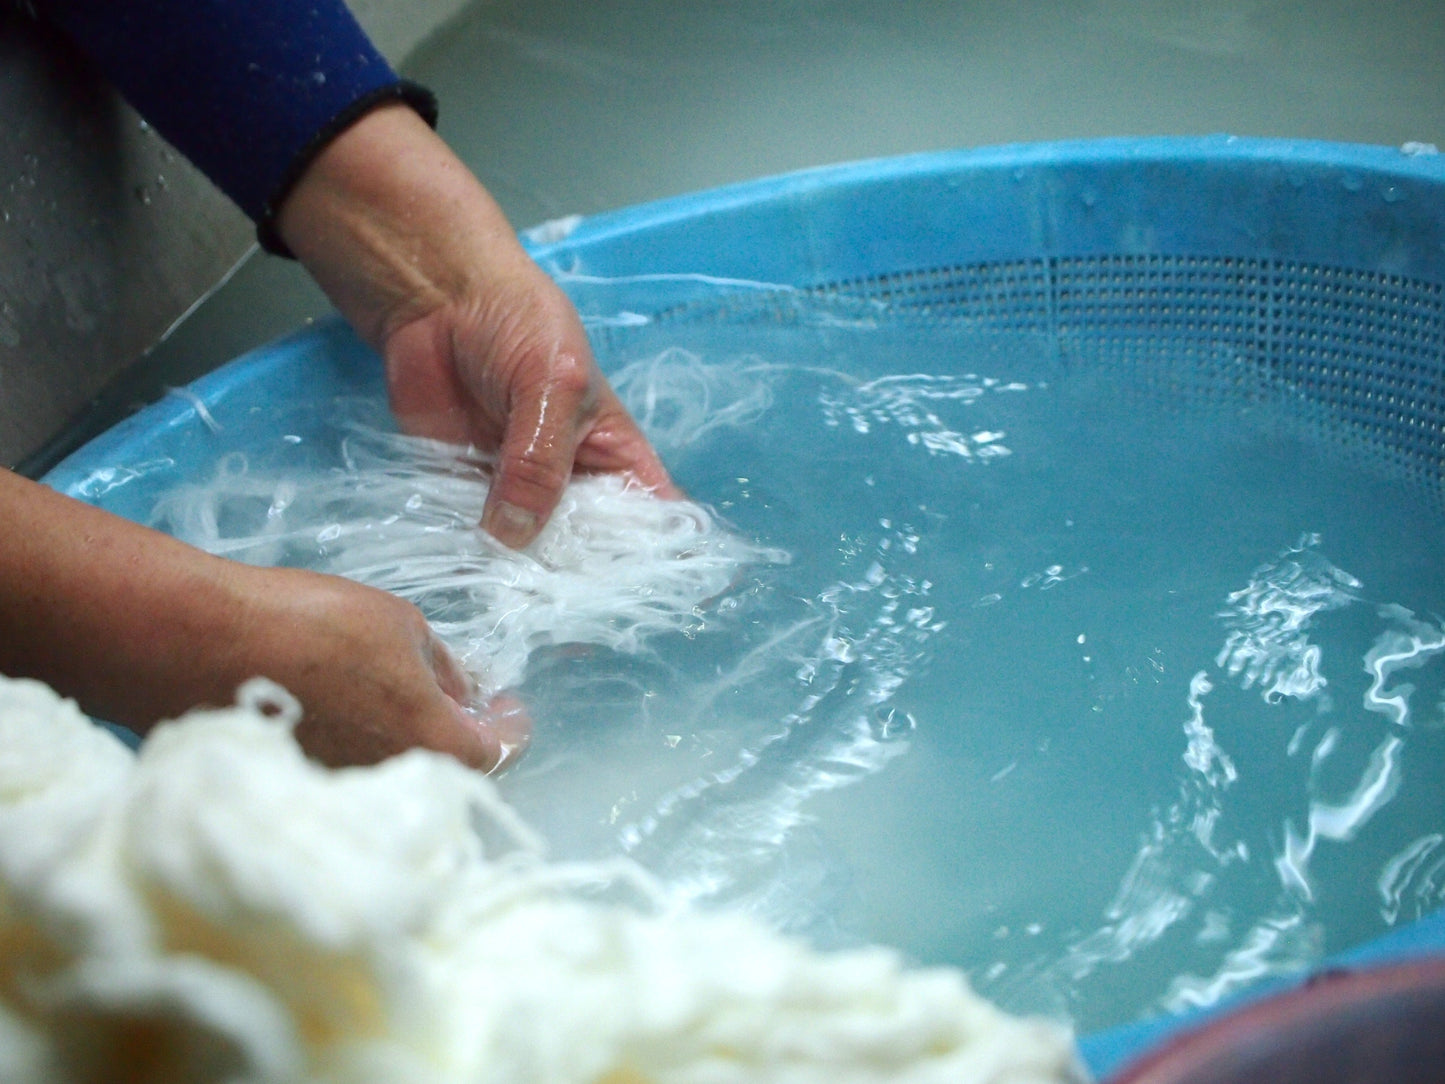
1229, 266
1216, 267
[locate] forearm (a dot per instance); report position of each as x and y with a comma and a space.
131, 623
139, 627
393, 225
248, 91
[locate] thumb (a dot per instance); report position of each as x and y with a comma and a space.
484, 738
535, 458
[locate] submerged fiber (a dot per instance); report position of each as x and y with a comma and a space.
219, 908
613, 565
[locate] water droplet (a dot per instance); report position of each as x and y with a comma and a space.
889, 723
9, 333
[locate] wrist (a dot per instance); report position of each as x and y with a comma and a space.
392, 224
417, 97
130, 623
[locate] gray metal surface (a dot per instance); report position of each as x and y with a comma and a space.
108, 237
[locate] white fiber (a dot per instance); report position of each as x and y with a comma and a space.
677, 398
613, 565
219, 908
552, 230
198, 405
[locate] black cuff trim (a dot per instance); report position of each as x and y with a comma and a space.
413, 94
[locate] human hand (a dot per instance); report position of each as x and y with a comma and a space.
510, 370
137, 627
372, 678
480, 346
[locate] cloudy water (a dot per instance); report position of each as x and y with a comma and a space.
1117, 706
1118, 701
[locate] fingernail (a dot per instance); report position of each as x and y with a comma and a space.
510, 525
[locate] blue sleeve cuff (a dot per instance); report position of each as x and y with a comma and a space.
249, 90
403, 90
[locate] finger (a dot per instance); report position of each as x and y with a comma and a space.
423, 387
616, 443
485, 736
450, 674
469, 738
512, 725
538, 447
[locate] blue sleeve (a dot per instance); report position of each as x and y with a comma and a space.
248, 90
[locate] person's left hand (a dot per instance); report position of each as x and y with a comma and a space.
481, 347
138, 626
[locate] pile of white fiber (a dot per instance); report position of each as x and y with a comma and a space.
400, 513
219, 908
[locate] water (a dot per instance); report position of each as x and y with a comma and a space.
1115, 705
1119, 694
